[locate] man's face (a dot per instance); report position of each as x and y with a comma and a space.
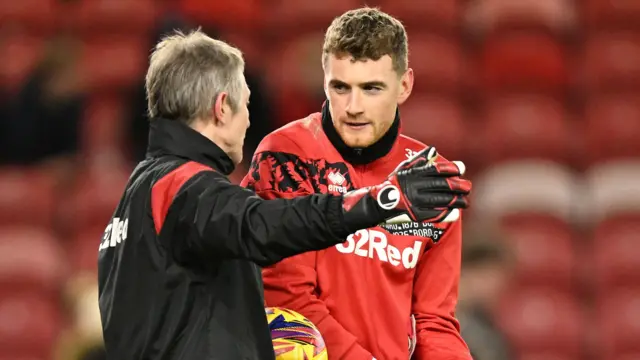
238, 124
363, 97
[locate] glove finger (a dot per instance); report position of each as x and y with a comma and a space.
436, 216
442, 169
459, 185
419, 159
429, 153
447, 168
453, 185
462, 168
441, 201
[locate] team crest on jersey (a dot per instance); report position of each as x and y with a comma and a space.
425, 230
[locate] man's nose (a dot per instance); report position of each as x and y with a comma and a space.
354, 107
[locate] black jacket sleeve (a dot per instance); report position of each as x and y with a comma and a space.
215, 219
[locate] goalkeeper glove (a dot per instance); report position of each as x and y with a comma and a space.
420, 189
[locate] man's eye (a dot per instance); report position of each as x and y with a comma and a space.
372, 88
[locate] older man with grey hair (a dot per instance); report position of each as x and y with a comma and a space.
179, 274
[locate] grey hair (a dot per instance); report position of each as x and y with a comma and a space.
187, 73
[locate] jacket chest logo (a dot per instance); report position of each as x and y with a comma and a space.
330, 178
336, 182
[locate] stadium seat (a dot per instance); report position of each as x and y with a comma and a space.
612, 60
296, 63
523, 60
21, 52
103, 124
243, 15
425, 14
547, 355
437, 121
618, 322
30, 325
488, 15
602, 13
83, 249
611, 188
293, 73
544, 249
612, 126
616, 252
533, 186
537, 320
28, 196
35, 15
31, 259
519, 126
95, 196
114, 16
443, 72
287, 16
113, 62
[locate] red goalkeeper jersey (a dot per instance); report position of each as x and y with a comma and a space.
361, 294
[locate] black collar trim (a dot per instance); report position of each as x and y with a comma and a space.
360, 156
172, 137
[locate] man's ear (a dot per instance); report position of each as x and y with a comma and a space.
221, 106
406, 86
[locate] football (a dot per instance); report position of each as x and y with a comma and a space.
294, 336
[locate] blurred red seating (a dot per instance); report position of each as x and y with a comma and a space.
527, 186
293, 74
607, 12
83, 249
21, 52
31, 259
96, 194
611, 189
114, 16
114, 62
437, 61
539, 320
612, 60
613, 126
247, 15
425, 13
490, 15
36, 15
616, 252
547, 355
27, 196
619, 323
102, 127
520, 126
523, 60
437, 121
29, 326
544, 249
296, 16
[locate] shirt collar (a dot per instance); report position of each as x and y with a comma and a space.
360, 156
172, 137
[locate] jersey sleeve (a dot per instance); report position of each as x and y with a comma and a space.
435, 297
276, 173
201, 217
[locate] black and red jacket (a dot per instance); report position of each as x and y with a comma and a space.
179, 274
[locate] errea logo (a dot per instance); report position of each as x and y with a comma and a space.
373, 243
336, 182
